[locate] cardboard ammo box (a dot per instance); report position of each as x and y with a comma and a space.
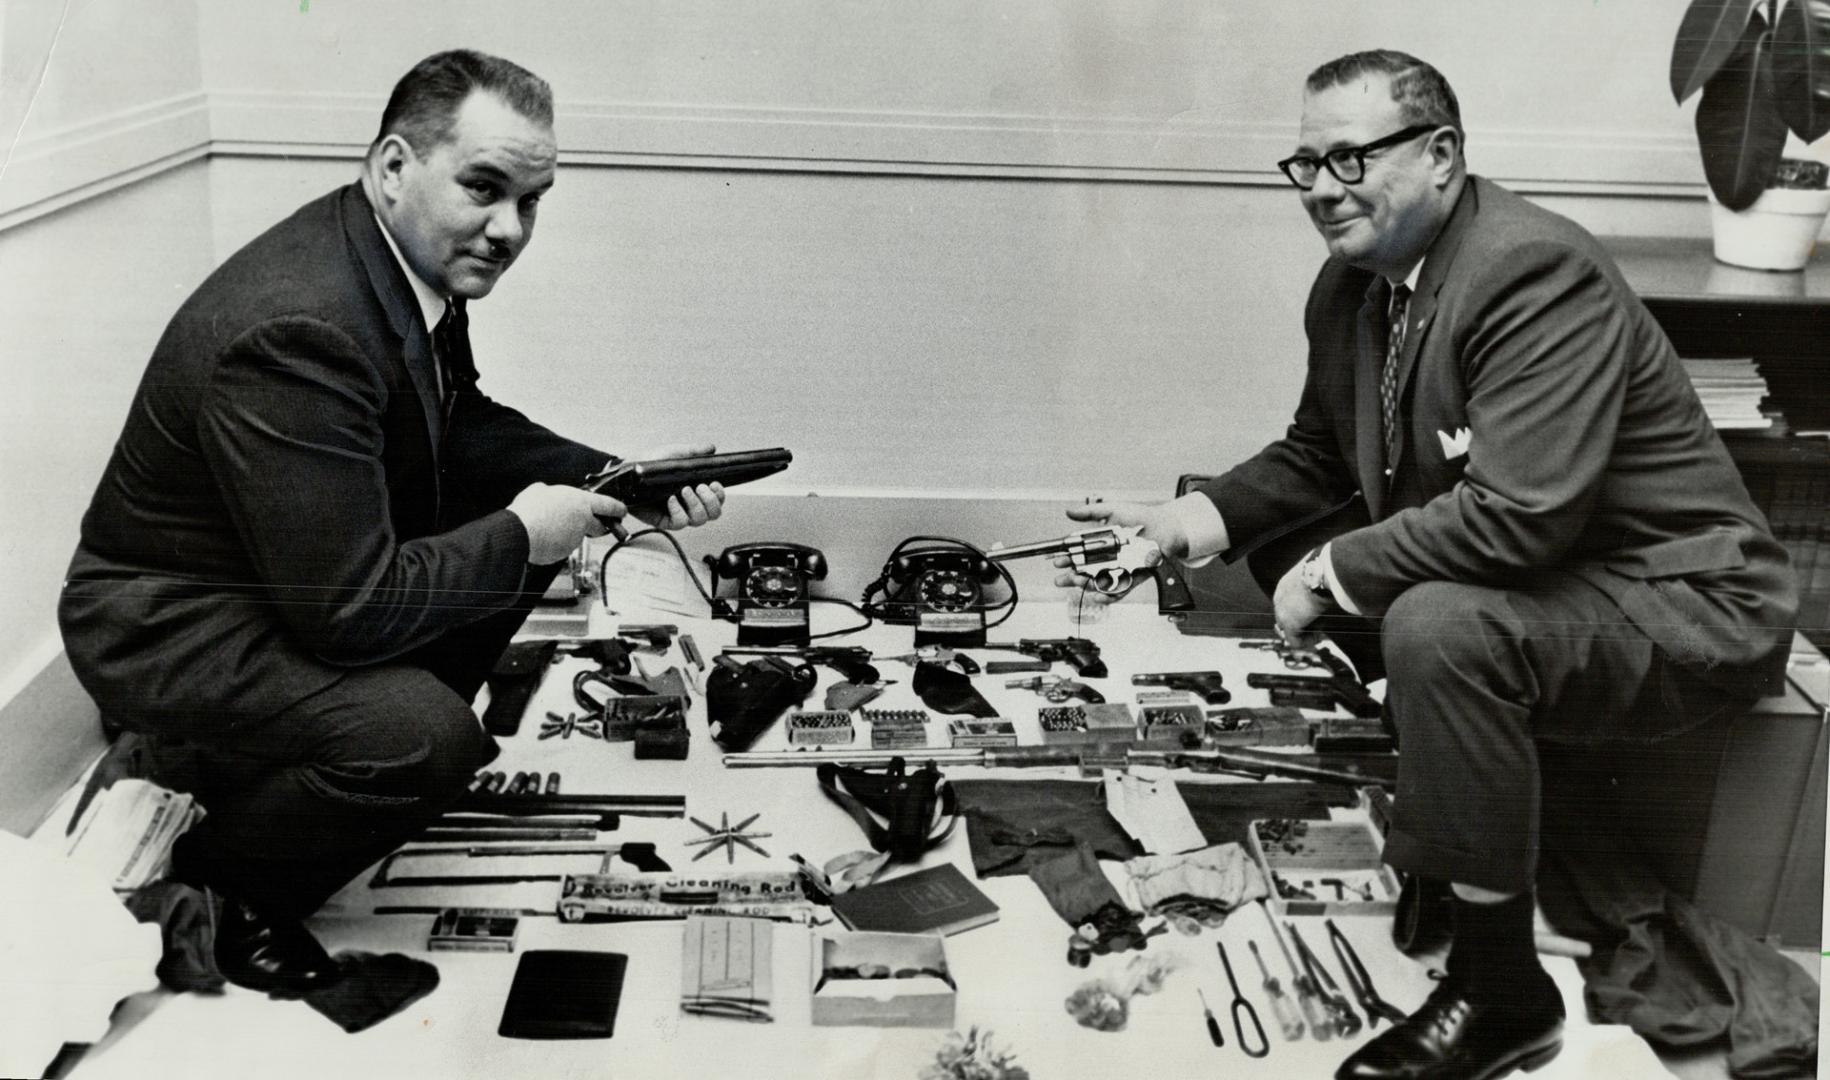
882, 980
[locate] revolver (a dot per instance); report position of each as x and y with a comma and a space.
1114, 558
1208, 684
1077, 651
1057, 688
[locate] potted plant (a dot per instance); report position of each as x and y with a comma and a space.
1764, 69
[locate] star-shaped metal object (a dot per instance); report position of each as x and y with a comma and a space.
727, 836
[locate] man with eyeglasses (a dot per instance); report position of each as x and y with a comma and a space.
1499, 490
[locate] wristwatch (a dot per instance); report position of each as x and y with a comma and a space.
1313, 577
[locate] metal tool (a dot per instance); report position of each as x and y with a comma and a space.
1346, 1021
1308, 995
727, 836
1240, 1003
1288, 1018
1214, 1034
1360, 981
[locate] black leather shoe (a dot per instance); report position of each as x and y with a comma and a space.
1451, 1037
275, 956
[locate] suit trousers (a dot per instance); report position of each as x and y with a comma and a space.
300, 803
1476, 677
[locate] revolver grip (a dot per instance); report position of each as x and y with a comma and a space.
1172, 592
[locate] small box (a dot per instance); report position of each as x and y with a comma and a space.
624, 716
993, 731
1078, 725
898, 729
1163, 726
474, 930
882, 980
820, 727
1337, 864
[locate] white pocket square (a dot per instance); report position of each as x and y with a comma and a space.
1454, 446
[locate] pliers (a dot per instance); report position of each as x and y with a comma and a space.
1355, 973
1346, 1021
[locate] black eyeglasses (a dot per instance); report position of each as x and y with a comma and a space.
1348, 164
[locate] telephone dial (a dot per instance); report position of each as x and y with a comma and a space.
771, 582
939, 585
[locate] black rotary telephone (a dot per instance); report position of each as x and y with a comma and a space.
771, 582
938, 584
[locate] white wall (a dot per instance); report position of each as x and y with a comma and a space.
1030, 249
104, 226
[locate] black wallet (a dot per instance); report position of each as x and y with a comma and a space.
564, 994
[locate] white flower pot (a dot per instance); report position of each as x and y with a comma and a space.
1776, 233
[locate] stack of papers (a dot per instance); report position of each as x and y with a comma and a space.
128, 831
1731, 392
729, 968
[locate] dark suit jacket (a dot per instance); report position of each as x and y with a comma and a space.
1546, 425
282, 503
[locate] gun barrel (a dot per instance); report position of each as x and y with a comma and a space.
1041, 547
645, 482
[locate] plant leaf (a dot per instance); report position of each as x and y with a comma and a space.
1801, 67
1705, 38
1738, 126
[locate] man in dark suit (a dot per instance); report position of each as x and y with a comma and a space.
316, 532
1502, 493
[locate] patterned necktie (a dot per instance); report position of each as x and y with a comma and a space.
449, 348
1388, 381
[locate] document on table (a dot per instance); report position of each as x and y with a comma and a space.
1153, 812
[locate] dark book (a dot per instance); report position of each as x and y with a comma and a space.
938, 900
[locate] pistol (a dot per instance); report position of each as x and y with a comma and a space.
651, 483
1079, 652
1341, 687
1114, 558
1209, 684
851, 661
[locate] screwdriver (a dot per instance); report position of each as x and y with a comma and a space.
1281, 1005
1308, 995
1213, 1025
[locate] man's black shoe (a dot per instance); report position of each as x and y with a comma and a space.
1451, 1037
275, 956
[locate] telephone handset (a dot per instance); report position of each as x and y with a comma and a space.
771, 583
940, 589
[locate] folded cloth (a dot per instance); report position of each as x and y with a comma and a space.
1013, 824
1222, 876
187, 926
373, 988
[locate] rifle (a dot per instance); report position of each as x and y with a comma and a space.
1241, 762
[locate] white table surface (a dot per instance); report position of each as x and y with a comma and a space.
1012, 974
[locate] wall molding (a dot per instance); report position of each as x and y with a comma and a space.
65, 167
49, 172
1180, 150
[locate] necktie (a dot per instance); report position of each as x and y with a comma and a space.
450, 351
1388, 381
